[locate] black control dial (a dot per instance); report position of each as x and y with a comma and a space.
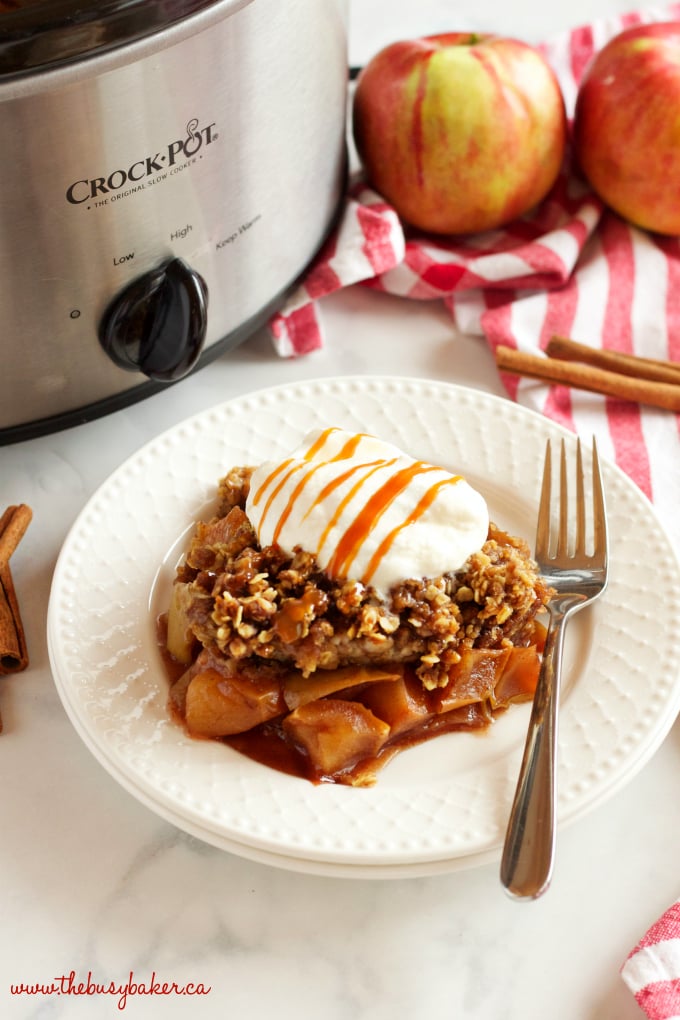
157, 324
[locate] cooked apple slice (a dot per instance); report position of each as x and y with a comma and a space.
402, 703
473, 679
218, 706
299, 690
179, 641
518, 680
335, 734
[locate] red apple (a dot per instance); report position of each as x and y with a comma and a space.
459, 132
627, 125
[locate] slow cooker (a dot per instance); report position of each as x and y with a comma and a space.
168, 169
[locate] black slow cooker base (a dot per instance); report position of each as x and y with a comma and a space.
108, 405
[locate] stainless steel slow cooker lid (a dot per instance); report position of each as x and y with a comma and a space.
41, 34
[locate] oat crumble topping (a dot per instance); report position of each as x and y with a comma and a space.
249, 603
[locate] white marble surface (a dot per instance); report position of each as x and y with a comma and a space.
92, 882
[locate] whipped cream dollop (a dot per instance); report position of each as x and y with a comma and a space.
366, 510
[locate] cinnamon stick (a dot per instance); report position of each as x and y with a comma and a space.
13, 524
614, 361
587, 377
13, 656
13, 650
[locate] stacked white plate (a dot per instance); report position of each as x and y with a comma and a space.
437, 807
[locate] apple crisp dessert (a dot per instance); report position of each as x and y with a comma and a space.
346, 603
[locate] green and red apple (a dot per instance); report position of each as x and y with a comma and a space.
460, 132
627, 125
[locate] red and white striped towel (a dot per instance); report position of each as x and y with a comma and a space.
652, 971
571, 267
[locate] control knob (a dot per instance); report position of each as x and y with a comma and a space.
157, 324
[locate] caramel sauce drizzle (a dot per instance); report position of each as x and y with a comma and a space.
344, 453
366, 520
257, 496
425, 501
371, 469
274, 493
356, 534
347, 451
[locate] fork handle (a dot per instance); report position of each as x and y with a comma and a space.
529, 850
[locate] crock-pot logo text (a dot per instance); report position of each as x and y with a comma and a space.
137, 174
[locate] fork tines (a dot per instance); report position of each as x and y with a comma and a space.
561, 541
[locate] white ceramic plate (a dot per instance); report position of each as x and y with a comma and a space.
436, 807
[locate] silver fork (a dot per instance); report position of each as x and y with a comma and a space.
577, 571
